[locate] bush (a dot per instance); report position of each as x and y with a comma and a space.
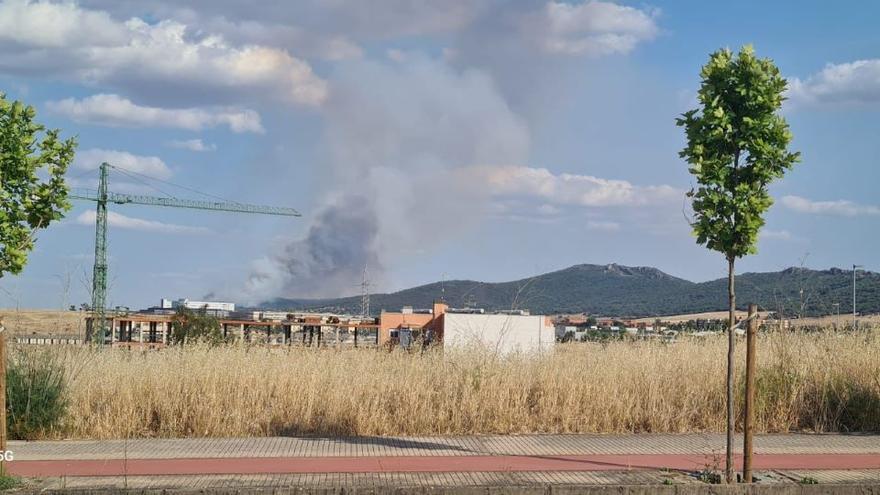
8, 482
35, 394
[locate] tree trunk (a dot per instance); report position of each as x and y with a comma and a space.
731, 345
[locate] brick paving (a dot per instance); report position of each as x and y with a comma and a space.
530, 445
474, 461
424, 480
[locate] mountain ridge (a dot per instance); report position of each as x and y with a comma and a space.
626, 291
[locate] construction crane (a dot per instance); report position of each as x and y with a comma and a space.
103, 197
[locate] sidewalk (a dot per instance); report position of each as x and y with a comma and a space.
426, 462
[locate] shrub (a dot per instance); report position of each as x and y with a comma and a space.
35, 394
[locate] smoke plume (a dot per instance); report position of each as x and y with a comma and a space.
400, 140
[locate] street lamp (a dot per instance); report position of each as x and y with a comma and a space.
855, 267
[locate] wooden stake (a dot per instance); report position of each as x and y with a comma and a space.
2, 398
749, 413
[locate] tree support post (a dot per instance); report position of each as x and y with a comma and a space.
749, 413
731, 348
2, 398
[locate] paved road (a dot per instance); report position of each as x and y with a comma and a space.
440, 461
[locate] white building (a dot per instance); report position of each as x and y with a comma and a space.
502, 333
189, 304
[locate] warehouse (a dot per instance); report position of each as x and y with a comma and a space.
503, 332
499, 333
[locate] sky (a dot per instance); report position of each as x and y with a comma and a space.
424, 140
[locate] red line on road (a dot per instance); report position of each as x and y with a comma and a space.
438, 464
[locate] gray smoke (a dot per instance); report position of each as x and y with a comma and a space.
330, 258
400, 140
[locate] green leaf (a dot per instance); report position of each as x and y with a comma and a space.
33, 193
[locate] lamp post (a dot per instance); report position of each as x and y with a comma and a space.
855, 267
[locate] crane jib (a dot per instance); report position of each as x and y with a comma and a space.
120, 199
102, 196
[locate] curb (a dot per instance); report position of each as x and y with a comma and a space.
694, 489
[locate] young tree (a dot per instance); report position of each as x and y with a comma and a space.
28, 202
736, 145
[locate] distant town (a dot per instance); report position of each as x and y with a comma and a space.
408, 327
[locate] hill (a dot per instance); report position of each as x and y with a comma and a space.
627, 291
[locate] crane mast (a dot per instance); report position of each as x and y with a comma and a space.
99, 274
102, 196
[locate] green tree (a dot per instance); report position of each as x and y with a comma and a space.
191, 326
33, 194
736, 145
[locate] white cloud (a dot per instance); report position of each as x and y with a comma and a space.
192, 145
571, 189
271, 32
116, 220
114, 110
517, 210
592, 28
602, 226
56, 25
89, 46
839, 207
152, 166
852, 82
358, 19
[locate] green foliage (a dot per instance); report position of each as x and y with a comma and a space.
8, 482
35, 394
28, 202
737, 145
191, 326
615, 290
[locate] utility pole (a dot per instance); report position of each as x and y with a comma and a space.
855, 267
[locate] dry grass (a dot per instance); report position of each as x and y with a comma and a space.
820, 382
43, 322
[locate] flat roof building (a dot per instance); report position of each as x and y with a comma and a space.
499, 333
510, 331
190, 304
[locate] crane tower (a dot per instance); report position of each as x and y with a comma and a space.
103, 197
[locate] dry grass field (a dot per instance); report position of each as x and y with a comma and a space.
43, 322
711, 315
842, 320
817, 382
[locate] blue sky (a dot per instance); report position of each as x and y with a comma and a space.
484, 139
